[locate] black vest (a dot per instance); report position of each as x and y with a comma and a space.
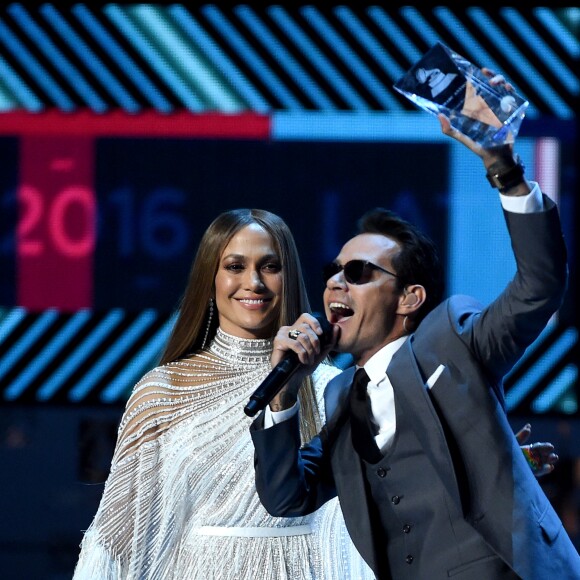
419, 520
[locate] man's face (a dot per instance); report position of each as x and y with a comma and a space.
367, 314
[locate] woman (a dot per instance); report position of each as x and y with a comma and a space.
180, 500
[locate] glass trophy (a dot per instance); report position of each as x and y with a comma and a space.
445, 82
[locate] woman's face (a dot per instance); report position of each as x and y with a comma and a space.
248, 284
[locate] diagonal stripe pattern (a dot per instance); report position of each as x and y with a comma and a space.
234, 58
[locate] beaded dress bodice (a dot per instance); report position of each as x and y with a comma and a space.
184, 462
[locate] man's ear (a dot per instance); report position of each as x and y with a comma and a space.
412, 298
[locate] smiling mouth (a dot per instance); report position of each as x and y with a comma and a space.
339, 311
253, 300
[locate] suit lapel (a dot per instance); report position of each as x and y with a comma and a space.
350, 481
348, 470
412, 394
487, 491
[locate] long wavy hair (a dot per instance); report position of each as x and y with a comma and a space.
189, 331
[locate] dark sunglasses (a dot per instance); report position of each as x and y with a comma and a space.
355, 271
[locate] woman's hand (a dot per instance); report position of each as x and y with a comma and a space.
540, 456
304, 338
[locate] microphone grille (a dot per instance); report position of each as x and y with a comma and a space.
326, 327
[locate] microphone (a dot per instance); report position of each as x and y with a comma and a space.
282, 372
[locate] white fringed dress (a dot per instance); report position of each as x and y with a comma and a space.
180, 501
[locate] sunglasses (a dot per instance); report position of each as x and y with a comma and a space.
355, 271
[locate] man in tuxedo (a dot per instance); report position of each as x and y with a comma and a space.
416, 444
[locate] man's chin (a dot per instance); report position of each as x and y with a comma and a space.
342, 346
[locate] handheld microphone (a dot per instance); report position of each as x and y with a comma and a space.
282, 372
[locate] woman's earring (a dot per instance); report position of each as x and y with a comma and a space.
405, 325
209, 319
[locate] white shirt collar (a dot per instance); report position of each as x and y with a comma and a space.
376, 366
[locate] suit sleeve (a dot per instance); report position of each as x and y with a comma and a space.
504, 329
291, 481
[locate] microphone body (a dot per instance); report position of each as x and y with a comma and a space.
282, 373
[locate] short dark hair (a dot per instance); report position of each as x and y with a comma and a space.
418, 261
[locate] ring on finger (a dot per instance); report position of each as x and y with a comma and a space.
294, 333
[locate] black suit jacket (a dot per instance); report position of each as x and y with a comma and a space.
460, 421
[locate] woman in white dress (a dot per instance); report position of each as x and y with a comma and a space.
180, 501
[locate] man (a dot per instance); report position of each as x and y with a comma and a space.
430, 477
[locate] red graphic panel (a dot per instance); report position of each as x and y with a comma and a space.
57, 223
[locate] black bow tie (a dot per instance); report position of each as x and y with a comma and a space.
362, 428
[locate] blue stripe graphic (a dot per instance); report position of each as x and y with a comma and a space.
10, 322
313, 53
253, 60
551, 357
212, 51
354, 63
80, 354
35, 69
179, 53
117, 350
564, 382
65, 67
286, 60
566, 39
394, 34
20, 90
503, 44
352, 126
541, 49
133, 371
89, 58
152, 56
47, 354
352, 60
28, 339
420, 25
372, 46
126, 63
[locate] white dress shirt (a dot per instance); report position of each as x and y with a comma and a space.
380, 389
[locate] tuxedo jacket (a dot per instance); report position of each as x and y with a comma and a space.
460, 420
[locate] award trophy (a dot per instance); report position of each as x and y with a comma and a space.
445, 82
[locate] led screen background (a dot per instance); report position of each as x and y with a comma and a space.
129, 126
126, 127
109, 223
317, 187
